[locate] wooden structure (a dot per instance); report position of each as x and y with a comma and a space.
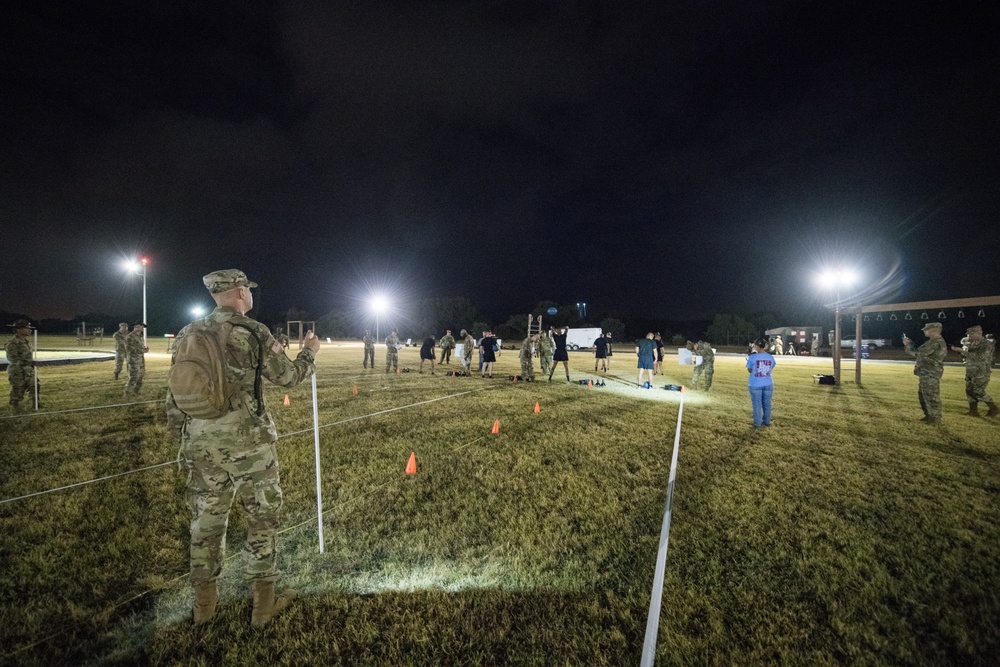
534, 326
301, 329
860, 311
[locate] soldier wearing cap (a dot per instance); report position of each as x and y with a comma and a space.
929, 368
978, 353
369, 349
468, 345
392, 351
20, 364
120, 353
135, 355
233, 457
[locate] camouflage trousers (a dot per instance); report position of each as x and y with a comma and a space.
976, 380
467, 359
546, 362
930, 397
215, 479
22, 381
445, 355
708, 370
119, 361
391, 359
369, 356
136, 372
527, 369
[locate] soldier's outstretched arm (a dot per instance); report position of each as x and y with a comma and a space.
283, 371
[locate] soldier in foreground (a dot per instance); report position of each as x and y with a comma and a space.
233, 456
526, 357
545, 348
20, 365
391, 351
369, 349
468, 346
135, 352
120, 352
978, 353
929, 367
447, 345
707, 365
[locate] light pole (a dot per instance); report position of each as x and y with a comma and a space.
140, 268
379, 304
834, 279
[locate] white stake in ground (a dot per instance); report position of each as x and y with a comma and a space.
319, 489
653, 620
34, 369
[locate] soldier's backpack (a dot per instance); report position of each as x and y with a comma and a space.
198, 381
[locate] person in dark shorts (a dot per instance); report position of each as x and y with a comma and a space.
646, 350
486, 348
427, 353
611, 351
560, 354
658, 357
601, 353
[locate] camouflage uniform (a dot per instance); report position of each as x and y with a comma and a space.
120, 353
391, 353
706, 367
978, 363
135, 350
469, 344
20, 371
929, 367
234, 456
545, 349
369, 350
447, 345
527, 361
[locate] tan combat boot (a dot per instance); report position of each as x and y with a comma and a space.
973, 410
267, 604
993, 411
206, 597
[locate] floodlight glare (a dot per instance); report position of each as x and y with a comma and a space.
379, 304
197, 311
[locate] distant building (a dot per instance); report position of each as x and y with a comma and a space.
798, 335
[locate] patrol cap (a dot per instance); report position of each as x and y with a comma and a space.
21, 324
123, 324
975, 328
140, 323
932, 325
225, 280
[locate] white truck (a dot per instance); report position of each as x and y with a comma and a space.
578, 339
870, 343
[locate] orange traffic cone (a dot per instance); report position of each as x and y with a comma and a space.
411, 467
355, 390
397, 371
286, 400
590, 383
537, 409
496, 426
515, 379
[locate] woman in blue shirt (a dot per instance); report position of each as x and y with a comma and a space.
759, 366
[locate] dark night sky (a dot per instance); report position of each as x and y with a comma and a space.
667, 160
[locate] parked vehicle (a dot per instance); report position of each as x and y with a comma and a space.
870, 343
579, 339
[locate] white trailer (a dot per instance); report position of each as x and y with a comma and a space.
578, 339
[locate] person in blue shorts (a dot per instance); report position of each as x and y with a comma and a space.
601, 353
646, 349
760, 364
427, 353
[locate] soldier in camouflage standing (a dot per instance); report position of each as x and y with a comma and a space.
369, 349
391, 353
20, 365
468, 347
135, 349
526, 357
447, 345
234, 457
978, 352
545, 349
120, 353
929, 367
706, 367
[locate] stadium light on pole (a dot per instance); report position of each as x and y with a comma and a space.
379, 305
835, 279
197, 311
139, 266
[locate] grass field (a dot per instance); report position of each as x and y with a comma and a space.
848, 533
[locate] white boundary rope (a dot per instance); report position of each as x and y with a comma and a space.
96, 407
286, 435
656, 597
319, 477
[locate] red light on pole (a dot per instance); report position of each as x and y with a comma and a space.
144, 261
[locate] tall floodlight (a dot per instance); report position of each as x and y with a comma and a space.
379, 305
197, 311
139, 267
834, 280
